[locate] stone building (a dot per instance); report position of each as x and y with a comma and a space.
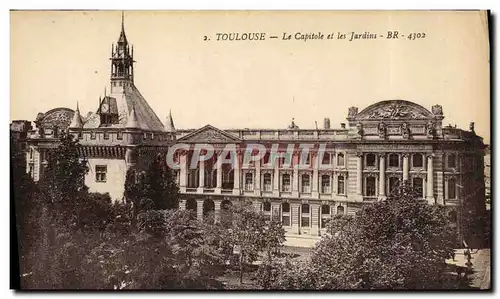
360, 162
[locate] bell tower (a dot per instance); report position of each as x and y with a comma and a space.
122, 63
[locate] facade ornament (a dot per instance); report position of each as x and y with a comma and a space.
382, 130
396, 111
352, 112
471, 127
437, 110
405, 131
359, 128
292, 125
431, 129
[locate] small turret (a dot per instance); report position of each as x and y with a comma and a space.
76, 122
169, 125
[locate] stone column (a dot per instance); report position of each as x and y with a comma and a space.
381, 181
257, 178
218, 188
201, 176
199, 209
334, 183
315, 176
295, 215
183, 171
295, 175
359, 174
406, 167
315, 221
430, 180
237, 170
276, 180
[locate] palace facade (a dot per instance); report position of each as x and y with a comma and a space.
364, 159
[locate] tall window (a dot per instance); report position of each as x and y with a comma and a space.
285, 182
326, 158
340, 159
325, 215
267, 182
418, 160
340, 185
340, 210
452, 161
370, 160
100, 173
248, 181
370, 189
265, 159
304, 222
267, 208
285, 214
452, 188
306, 183
393, 160
119, 135
418, 185
193, 178
393, 183
325, 184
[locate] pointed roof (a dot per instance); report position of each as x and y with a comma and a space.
76, 122
132, 122
123, 37
169, 125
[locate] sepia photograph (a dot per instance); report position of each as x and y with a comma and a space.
250, 150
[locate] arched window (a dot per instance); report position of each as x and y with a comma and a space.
340, 185
418, 160
325, 215
393, 160
285, 214
285, 182
306, 183
304, 221
370, 186
452, 161
452, 188
340, 159
370, 160
248, 181
340, 210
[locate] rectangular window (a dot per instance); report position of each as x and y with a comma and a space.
418, 160
106, 135
248, 181
393, 160
267, 182
451, 161
340, 185
326, 159
100, 173
325, 184
306, 183
370, 186
370, 160
286, 220
452, 188
304, 221
92, 135
119, 135
340, 159
285, 183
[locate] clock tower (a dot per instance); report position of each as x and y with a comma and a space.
122, 63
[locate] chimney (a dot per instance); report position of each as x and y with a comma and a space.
342, 125
326, 123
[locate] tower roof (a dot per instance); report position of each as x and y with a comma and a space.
123, 38
132, 122
76, 122
169, 124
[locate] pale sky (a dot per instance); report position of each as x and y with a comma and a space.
59, 58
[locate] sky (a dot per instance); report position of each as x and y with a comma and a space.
61, 58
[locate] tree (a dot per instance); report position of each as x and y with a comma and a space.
251, 232
400, 243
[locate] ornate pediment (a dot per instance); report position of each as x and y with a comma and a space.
58, 117
395, 110
209, 134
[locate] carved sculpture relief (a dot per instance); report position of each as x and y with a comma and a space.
405, 131
396, 111
437, 110
352, 112
382, 130
359, 128
431, 129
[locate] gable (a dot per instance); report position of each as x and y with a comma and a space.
209, 134
397, 109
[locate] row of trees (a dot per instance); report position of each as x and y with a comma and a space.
70, 238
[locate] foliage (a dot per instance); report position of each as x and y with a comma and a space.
400, 243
